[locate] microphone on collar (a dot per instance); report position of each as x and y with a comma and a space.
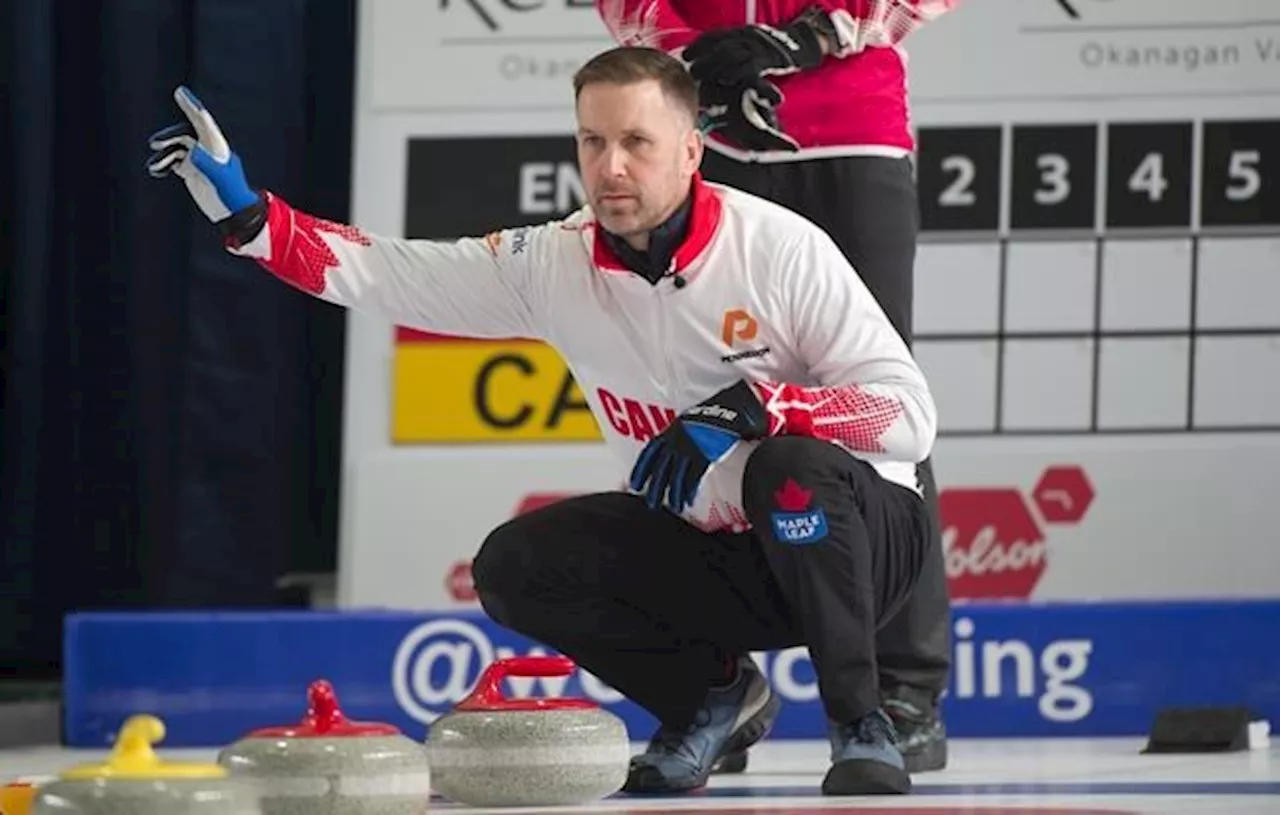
678, 282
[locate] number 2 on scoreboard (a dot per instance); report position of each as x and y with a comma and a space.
959, 192
958, 178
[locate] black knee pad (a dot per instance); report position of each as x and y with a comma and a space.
802, 457
500, 568
780, 454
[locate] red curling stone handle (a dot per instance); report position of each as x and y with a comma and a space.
488, 694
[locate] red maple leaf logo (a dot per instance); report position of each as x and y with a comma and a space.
299, 256
793, 497
849, 415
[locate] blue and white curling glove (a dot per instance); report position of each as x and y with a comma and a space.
670, 468
198, 153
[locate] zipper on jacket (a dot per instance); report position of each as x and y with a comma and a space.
665, 349
751, 11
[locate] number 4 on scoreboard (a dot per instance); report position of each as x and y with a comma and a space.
1149, 172
1148, 178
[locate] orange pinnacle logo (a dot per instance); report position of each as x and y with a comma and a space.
738, 325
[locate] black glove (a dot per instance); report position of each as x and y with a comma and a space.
671, 466
731, 56
744, 115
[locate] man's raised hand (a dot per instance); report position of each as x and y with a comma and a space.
198, 153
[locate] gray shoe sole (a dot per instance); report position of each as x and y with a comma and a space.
933, 757
731, 764
859, 776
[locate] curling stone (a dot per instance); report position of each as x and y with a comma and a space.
331, 765
134, 781
493, 751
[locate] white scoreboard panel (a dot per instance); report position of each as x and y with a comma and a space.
1096, 277
1097, 288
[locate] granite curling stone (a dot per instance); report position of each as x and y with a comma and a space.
331, 765
134, 781
492, 751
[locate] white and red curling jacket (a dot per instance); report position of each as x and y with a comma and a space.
854, 103
766, 296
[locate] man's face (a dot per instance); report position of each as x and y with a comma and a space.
637, 152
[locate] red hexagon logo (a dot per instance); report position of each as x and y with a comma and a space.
994, 547
459, 584
1063, 494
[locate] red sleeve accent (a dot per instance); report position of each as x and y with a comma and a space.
850, 415
652, 23
890, 21
299, 256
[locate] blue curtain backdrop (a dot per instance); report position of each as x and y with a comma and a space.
170, 413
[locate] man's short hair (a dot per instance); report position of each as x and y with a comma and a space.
627, 64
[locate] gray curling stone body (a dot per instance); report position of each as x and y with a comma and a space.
132, 796
133, 781
496, 752
329, 765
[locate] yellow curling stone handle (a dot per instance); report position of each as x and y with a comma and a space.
15, 798
134, 757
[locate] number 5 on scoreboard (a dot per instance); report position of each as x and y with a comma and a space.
1241, 177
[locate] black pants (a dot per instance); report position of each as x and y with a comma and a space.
868, 205
654, 607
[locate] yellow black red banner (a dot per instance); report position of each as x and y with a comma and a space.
449, 389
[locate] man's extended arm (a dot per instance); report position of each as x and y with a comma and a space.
477, 287
868, 394
474, 287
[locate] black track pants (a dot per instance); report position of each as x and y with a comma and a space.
654, 607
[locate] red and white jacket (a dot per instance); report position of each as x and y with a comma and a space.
766, 296
855, 103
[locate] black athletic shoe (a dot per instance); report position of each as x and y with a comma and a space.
922, 737
730, 720
865, 759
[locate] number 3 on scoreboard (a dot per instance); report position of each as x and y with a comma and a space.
1054, 171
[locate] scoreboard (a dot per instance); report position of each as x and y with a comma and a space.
1099, 177
1116, 276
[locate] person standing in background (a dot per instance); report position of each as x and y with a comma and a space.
806, 104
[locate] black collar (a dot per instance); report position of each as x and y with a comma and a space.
665, 238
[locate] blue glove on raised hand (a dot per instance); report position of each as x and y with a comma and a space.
670, 468
198, 153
